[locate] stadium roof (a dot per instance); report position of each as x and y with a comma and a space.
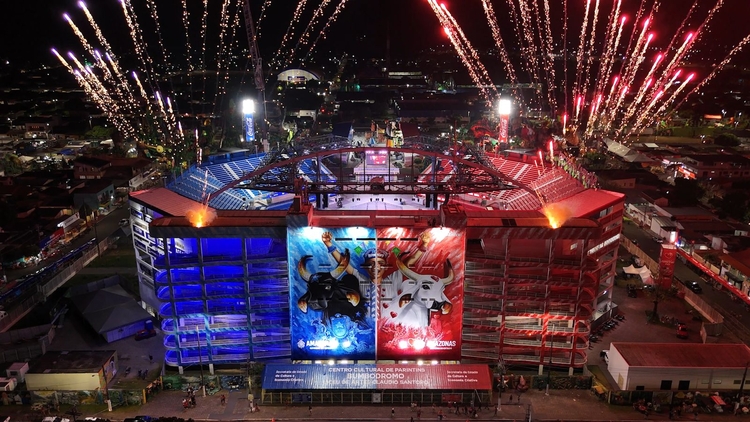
683, 355
584, 203
165, 201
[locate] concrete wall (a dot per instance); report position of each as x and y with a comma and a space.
124, 332
702, 379
67, 382
618, 368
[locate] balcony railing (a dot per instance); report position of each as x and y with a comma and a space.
479, 354
528, 259
521, 358
492, 337
487, 306
271, 339
519, 342
228, 324
481, 322
524, 327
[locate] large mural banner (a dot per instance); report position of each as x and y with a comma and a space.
332, 299
419, 278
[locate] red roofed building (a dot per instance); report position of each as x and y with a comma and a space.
678, 366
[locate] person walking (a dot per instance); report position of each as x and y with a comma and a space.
495, 410
419, 414
510, 399
309, 409
393, 412
223, 400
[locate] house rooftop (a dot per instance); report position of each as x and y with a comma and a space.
74, 361
166, 202
684, 355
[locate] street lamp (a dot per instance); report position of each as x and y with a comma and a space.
248, 108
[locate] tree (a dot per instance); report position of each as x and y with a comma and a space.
100, 132
594, 160
8, 214
12, 164
658, 294
85, 211
686, 193
735, 205
710, 191
727, 140
21, 252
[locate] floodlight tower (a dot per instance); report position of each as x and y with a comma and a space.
254, 56
248, 124
503, 108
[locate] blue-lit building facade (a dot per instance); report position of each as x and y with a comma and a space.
224, 292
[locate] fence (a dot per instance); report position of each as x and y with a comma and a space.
21, 345
94, 286
19, 310
633, 249
712, 315
68, 272
333, 397
48, 287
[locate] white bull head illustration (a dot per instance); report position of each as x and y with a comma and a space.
424, 296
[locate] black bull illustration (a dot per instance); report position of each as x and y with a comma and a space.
328, 294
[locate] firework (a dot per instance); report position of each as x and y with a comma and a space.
140, 102
276, 62
645, 85
322, 34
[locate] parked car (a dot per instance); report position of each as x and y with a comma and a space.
682, 331
693, 286
124, 222
144, 334
604, 354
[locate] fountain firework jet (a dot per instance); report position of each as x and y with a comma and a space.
140, 101
646, 86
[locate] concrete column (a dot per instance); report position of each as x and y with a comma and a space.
570, 371
181, 369
541, 370
211, 368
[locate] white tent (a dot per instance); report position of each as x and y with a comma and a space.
643, 272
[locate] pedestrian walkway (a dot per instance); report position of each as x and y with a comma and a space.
560, 405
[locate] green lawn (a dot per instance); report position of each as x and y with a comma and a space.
119, 255
693, 132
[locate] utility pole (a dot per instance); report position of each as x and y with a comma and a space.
200, 360
742, 385
549, 366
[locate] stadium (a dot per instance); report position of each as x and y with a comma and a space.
416, 251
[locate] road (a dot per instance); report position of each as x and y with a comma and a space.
718, 299
105, 226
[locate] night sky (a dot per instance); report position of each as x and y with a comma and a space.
31, 27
